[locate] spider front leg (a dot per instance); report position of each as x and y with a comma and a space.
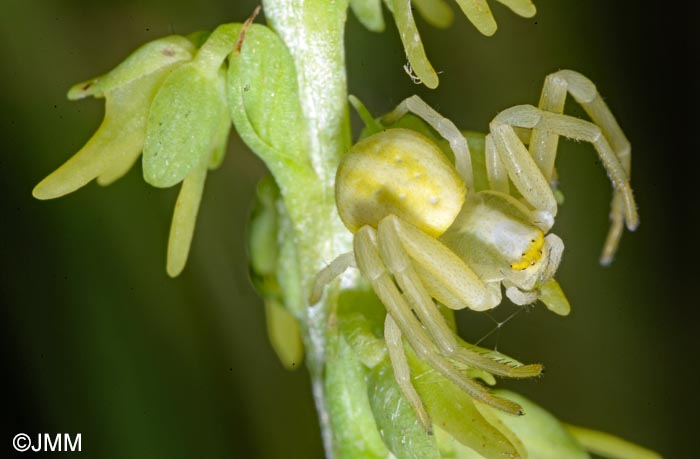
445, 127
496, 172
402, 372
454, 283
543, 144
373, 268
328, 274
527, 176
393, 235
406, 277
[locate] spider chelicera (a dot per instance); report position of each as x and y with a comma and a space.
424, 235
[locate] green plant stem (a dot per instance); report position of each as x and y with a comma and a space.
313, 30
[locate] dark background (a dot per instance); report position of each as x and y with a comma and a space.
96, 339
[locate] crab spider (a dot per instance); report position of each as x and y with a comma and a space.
423, 233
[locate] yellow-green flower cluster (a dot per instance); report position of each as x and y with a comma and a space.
167, 100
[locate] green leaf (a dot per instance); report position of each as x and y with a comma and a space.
361, 322
266, 111
543, 435
396, 420
355, 432
452, 410
184, 124
264, 99
606, 445
450, 448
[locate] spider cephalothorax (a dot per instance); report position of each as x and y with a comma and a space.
424, 235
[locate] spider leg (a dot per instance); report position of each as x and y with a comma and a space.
445, 127
372, 267
402, 372
521, 297
329, 273
401, 267
495, 170
406, 277
523, 170
555, 251
525, 173
612, 240
450, 271
543, 144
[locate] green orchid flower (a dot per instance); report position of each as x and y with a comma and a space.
128, 91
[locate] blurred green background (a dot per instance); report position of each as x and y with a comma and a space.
96, 339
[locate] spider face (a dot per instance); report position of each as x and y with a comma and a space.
498, 237
424, 236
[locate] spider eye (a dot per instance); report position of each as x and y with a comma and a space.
531, 255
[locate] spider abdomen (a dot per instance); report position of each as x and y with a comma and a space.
398, 172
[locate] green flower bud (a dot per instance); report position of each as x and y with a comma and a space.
265, 269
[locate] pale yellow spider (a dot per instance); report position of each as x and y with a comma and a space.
422, 234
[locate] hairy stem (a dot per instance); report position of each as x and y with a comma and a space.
313, 30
